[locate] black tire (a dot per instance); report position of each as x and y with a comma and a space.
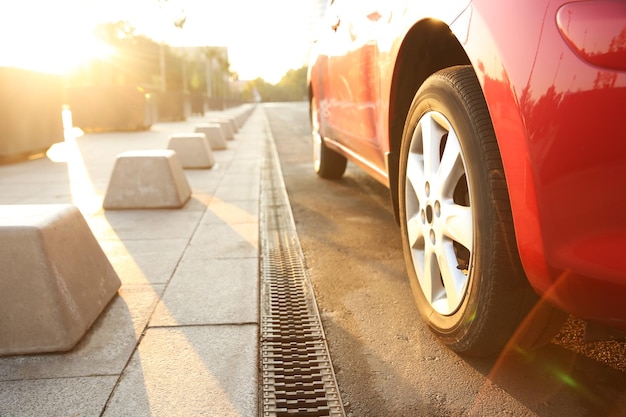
456, 221
327, 163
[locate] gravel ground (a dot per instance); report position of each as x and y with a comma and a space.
612, 353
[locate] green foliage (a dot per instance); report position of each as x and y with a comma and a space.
293, 84
292, 87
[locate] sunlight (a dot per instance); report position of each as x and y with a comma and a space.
53, 40
182, 374
260, 42
58, 37
84, 194
238, 219
57, 54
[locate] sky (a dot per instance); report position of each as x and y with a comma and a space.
264, 38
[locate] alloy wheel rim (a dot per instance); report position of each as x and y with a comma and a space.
439, 218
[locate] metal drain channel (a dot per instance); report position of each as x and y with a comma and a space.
297, 374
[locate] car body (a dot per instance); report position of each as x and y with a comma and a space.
553, 77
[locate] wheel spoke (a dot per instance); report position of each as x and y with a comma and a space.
415, 233
415, 173
431, 273
431, 138
453, 279
451, 168
458, 224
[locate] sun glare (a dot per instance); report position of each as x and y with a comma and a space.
58, 36
54, 39
60, 53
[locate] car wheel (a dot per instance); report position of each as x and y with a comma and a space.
327, 163
455, 217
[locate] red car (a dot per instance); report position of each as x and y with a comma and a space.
497, 126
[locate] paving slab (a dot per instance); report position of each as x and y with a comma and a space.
205, 181
232, 191
231, 212
210, 291
86, 396
145, 224
190, 371
224, 241
144, 261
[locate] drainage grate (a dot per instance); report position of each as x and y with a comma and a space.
297, 374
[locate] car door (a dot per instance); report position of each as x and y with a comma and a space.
352, 87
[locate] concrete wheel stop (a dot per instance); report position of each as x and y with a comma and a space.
55, 278
241, 118
147, 179
233, 123
227, 126
192, 149
214, 134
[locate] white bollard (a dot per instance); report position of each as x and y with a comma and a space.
192, 149
55, 279
214, 135
147, 179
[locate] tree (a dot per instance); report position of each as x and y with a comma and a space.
134, 62
291, 87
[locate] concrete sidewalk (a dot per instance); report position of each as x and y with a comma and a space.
181, 336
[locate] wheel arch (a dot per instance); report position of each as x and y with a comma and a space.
428, 47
